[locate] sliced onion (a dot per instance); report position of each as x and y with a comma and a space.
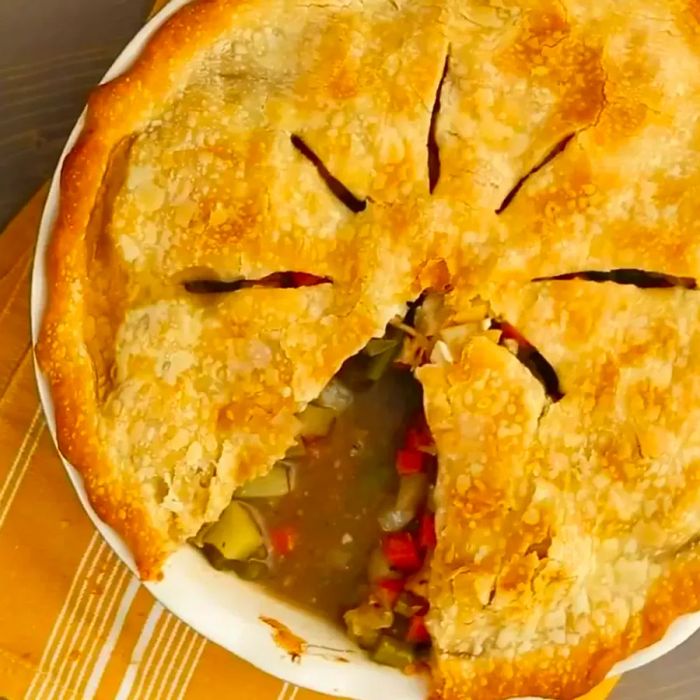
456, 336
441, 354
395, 520
335, 396
431, 314
413, 491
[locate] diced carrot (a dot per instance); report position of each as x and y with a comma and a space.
426, 531
401, 551
417, 631
410, 461
388, 591
283, 539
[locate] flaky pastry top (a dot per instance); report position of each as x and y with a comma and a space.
385, 148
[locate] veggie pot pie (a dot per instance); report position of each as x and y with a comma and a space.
486, 208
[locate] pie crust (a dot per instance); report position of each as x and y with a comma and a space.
388, 148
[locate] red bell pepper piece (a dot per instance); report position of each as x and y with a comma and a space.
388, 591
283, 539
417, 631
417, 437
410, 461
401, 551
427, 538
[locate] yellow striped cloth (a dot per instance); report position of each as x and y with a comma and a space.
74, 622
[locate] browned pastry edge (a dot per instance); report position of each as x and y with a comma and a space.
115, 110
570, 676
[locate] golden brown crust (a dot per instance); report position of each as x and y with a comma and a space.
146, 204
571, 673
566, 139
570, 519
114, 112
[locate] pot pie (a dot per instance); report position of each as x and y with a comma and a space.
406, 283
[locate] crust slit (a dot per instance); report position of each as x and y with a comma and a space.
339, 190
644, 279
535, 362
432, 145
553, 153
276, 280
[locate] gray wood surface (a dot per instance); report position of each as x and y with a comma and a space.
51, 53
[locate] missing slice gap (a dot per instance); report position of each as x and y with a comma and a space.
531, 358
276, 280
432, 145
553, 153
644, 279
339, 190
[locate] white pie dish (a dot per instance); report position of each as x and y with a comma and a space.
227, 610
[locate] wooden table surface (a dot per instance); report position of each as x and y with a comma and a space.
51, 52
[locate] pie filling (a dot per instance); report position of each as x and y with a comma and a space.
344, 525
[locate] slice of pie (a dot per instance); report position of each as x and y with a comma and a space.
571, 527
274, 182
